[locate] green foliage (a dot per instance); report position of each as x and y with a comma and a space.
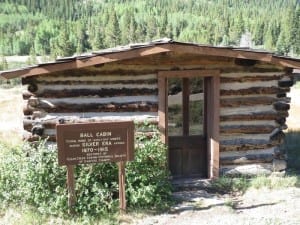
30, 175
147, 175
101, 24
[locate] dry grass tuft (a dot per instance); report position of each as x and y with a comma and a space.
11, 115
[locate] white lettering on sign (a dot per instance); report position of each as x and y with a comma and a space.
106, 143
85, 134
103, 134
90, 144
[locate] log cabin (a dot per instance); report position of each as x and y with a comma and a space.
220, 110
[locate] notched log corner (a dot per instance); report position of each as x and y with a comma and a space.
281, 106
32, 87
285, 83
38, 129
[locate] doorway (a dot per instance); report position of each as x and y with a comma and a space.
186, 127
189, 121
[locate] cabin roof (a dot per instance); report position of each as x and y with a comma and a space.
150, 48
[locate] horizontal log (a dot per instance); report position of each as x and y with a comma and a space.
281, 106
252, 169
109, 116
253, 78
246, 129
110, 92
96, 72
91, 81
264, 115
93, 107
268, 151
255, 90
249, 145
247, 101
247, 159
51, 123
245, 85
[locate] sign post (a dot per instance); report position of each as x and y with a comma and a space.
71, 188
122, 197
95, 143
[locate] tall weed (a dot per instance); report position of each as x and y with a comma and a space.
30, 175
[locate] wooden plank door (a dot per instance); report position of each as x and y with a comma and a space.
186, 126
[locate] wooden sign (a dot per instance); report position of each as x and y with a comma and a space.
95, 142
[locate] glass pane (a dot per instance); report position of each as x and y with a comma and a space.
175, 106
196, 106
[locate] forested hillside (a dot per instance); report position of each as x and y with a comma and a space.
65, 27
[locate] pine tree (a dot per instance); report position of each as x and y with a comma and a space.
82, 38
151, 28
283, 45
3, 63
113, 33
258, 36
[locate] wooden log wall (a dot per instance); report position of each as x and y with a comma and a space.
85, 97
254, 108
253, 103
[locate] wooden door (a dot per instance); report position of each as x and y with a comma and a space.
186, 106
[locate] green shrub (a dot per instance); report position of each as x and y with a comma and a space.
147, 176
31, 176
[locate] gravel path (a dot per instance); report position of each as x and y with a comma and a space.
262, 207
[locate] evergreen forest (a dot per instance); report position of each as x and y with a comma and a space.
67, 27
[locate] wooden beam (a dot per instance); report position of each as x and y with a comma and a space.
163, 108
226, 52
185, 106
188, 73
212, 90
85, 62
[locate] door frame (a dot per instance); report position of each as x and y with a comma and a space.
212, 92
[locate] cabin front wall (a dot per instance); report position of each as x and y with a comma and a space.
253, 103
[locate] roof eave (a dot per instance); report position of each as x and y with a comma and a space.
146, 50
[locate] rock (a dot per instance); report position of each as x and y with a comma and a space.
279, 165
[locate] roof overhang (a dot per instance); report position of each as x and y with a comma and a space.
152, 48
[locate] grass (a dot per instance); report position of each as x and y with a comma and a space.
239, 185
11, 114
26, 216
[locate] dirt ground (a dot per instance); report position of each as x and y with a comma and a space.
260, 207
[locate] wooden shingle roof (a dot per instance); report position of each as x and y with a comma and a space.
150, 48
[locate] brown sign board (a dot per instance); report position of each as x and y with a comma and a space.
87, 143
